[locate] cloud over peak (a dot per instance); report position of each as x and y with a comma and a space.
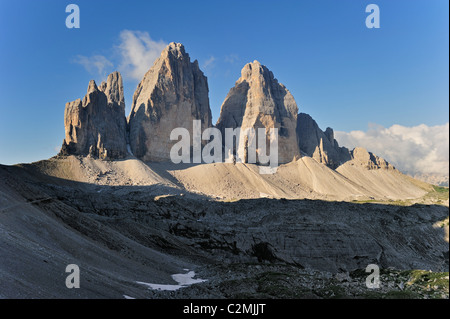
96, 64
209, 63
414, 150
138, 52
133, 56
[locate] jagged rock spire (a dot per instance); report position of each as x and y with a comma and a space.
96, 125
172, 94
258, 100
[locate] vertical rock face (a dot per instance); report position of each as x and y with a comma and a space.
258, 101
172, 94
96, 125
318, 144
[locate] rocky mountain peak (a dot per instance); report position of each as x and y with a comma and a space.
255, 70
92, 87
113, 89
96, 125
368, 160
172, 94
258, 101
175, 49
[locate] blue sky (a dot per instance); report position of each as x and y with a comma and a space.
343, 74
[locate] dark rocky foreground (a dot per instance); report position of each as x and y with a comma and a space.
264, 248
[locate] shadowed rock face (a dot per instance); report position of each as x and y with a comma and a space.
258, 101
120, 235
318, 144
96, 125
172, 94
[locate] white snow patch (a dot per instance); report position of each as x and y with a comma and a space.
128, 297
183, 280
187, 279
160, 287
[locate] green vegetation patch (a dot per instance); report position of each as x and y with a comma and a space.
428, 279
441, 189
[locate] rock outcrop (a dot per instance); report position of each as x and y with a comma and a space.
318, 144
369, 160
96, 125
172, 94
258, 101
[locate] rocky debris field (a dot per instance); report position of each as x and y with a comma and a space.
268, 248
267, 281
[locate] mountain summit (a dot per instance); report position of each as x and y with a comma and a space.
258, 101
96, 125
172, 94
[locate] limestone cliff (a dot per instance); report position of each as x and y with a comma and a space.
258, 100
96, 125
172, 94
318, 144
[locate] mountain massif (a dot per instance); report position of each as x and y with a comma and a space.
174, 93
113, 203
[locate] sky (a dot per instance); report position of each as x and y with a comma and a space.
345, 75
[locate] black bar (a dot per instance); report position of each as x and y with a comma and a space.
232, 308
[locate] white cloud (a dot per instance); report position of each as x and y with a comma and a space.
96, 64
133, 56
137, 52
231, 58
414, 150
209, 64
